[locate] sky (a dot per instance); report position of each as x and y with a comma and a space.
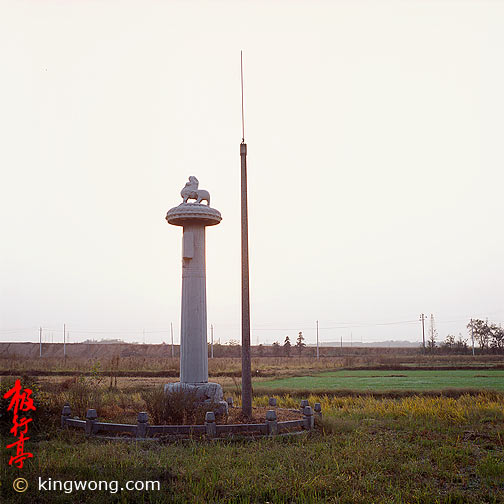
375, 165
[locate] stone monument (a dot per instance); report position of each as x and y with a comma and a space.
194, 217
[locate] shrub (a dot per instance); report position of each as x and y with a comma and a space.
83, 393
179, 407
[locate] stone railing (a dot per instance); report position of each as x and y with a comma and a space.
142, 429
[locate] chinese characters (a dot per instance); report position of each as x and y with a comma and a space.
20, 402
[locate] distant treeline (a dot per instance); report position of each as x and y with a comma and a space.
485, 337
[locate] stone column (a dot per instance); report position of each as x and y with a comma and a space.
194, 349
194, 217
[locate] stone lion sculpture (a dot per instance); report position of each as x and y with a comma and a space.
191, 191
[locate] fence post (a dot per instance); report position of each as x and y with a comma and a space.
229, 400
271, 422
272, 401
91, 417
65, 414
318, 410
211, 428
142, 424
309, 421
304, 403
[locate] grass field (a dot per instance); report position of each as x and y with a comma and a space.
365, 450
398, 448
387, 380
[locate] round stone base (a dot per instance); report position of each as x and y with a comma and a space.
187, 213
209, 393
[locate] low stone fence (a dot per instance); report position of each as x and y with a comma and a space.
142, 429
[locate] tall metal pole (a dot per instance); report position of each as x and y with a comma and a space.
246, 367
318, 354
40, 342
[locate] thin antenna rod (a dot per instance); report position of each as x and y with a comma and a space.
243, 116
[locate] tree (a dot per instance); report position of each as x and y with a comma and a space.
461, 344
276, 349
300, 344
449, 343
287, 346
481, 332
497, 337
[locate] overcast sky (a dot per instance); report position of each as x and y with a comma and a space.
375, 155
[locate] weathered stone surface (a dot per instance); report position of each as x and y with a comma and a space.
271, 415
204, 391
91, 414
271, 422
191, 212
221, 409
191, 191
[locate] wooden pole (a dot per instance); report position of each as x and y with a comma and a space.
246, 367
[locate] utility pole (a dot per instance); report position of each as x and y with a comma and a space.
432, 332
246, 366
64, 341
472, 337
422, 318
40, 342
211, 345
318, 354
172, 350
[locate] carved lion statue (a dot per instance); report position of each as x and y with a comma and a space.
191, 191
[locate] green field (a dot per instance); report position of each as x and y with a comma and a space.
392, 380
